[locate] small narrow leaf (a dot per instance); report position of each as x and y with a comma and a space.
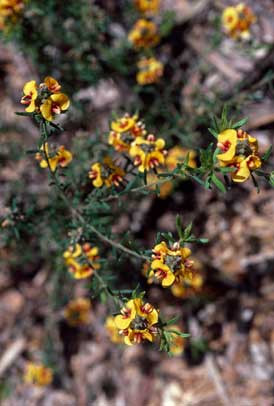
218, 183
240, 123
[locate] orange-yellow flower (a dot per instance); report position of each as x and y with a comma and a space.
171, 265
77, 312
177, 343
38, 374
230, 18
148, 153
144, 34
30, 96
9, 12
81, 260
163, 273
55, 104
150, 71
52, 84
9, 7
124, 131
239, 151
244, 167
62, 158
165, 188
106, 173
137, 322
113, 331
177, 155
148, 7
227, 141
187, 287
237, 21
173, 157
124, 123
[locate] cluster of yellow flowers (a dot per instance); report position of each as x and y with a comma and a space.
77, 312
128, 134
174, 156
62, 157
172, 268
150, 71
237, 21
106, 173
38, 374
142, 330
113, 331
144, 35
9, 11
137, 322
81, 260
177, 343
45, 99
147, 7
185, 286
239, 151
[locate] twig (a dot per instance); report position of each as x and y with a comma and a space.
217, 380
11, 354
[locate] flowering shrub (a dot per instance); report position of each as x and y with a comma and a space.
92, 185
77, 312
10, 11
237, 21
38, 374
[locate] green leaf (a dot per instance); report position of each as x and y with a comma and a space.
22, 113
171, 321
179, 227
240, 123
203, 240
187, 231
219, 184
255, 183
267, 154
213, 132
271, 178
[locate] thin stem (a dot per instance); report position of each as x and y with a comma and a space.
80, 217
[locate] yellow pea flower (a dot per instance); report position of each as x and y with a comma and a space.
77, 312
171, 265
30, 96
150, 71
9, 12
147, 7
81, 260
124, 131
230, 18
137, 322
177, 344
163, 273
244, 167
63, 157
124, 123
227, 141
52, 84
187, 287
237, 20
106, 173
113, 331
38, 374
144, 34
55, 104
148, 153
178, 154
